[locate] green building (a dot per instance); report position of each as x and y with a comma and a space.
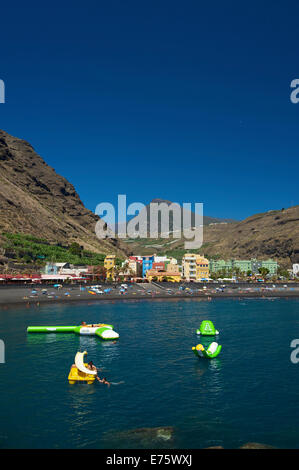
244, 265
220, 265
271, 265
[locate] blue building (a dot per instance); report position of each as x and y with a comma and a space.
147, 263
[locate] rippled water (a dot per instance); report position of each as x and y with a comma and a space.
248, 393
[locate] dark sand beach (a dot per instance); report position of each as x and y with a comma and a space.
12, 295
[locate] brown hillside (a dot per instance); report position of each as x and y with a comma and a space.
272, 234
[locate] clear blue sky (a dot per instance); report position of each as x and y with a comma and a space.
187, 101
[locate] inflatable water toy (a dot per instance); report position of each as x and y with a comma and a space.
102, 330
80, 372
212, 351
207, 329
51, 329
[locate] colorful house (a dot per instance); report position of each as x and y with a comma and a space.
159, 276
271, 265
195, 267
244, 265
221, 265
135, 265
159, 266
147, 263
109, 265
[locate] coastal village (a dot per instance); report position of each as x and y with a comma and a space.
153, 268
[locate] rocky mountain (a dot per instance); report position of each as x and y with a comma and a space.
189, 216
207, 220
35, 200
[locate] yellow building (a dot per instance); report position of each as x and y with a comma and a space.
109, 265
195, 267
159, 276
172, 268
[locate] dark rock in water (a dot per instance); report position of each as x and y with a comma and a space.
256, 445
214, 447
145, 437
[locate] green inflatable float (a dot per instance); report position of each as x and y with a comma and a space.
102, 330
212, 351
207, 329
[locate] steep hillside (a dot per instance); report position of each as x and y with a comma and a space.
272, 234
35, 200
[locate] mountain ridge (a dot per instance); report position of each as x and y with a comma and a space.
185, 220
206, 218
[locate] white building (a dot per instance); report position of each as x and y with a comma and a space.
164, 259
160, 259
64, 269
295, 269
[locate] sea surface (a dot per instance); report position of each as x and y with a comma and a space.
161, 396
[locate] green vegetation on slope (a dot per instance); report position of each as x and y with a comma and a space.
29, 249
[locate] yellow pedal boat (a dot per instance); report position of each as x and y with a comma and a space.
80, 372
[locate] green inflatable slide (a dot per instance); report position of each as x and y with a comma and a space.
207, 328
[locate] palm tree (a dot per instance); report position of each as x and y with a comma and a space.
116, 272
237, 271
99, 272
264, 271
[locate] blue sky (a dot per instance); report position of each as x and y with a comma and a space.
187, 101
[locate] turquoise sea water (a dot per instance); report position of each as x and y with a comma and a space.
248, 393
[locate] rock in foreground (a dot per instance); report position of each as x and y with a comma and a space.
142, 437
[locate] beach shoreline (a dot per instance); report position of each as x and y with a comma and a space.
14, 296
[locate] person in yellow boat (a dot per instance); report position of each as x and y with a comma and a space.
91, 366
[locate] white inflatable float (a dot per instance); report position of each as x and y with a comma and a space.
79, 362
